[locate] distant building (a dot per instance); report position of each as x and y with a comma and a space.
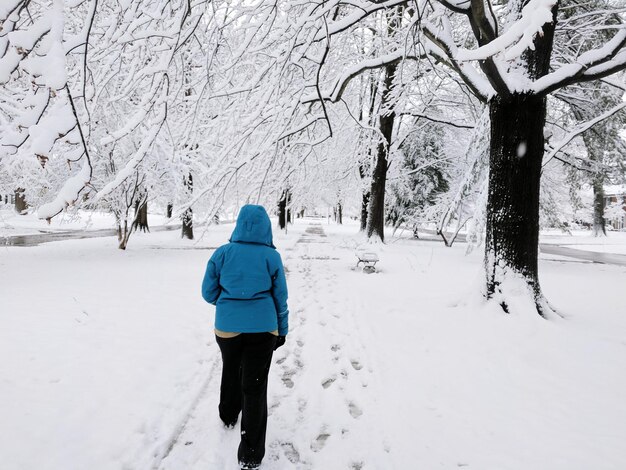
614, 196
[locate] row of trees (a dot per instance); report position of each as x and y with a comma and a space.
416, 110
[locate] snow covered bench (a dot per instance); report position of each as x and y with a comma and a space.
368, 259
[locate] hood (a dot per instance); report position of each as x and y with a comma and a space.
253, 226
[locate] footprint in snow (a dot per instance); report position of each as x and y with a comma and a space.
287, 378
319, 442
290, 452
354, 409
328, 382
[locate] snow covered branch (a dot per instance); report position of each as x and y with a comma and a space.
342, 82
591, 65
582, 128
443, 48
363, 10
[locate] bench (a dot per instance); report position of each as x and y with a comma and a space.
368, 259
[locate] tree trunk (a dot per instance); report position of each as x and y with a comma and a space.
169, 210
187, 217
599, 223
365, 200
516, 153
141, 217
123, 234
289, 221
595, 148
339, 213
376, 208
21, 206
282, 210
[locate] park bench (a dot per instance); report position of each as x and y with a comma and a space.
368, 259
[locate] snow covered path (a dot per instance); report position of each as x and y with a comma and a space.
322, 393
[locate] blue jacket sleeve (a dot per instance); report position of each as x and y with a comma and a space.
211, 289
279, 294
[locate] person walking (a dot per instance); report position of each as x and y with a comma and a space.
245, 280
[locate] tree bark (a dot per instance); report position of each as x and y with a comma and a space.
516, 153
289, 221
595, 147
21, 206
282, 210
515, 156
599, 222
123, 234
141, 217
187, 217
376, 207
365, 201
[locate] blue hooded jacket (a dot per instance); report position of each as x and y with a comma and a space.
245, 278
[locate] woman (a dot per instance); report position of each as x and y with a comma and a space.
245, 280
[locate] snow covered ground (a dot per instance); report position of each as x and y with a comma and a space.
109, 361
614, 242
12, 224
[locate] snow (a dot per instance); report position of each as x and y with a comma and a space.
614, 242
114, 364
583, 237
68, 194
12, 224
615, 189
603, 248
519, 37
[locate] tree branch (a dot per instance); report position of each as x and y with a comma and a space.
591, 65
344, 80
444, 51
583, 127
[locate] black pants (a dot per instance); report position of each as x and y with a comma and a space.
246, 362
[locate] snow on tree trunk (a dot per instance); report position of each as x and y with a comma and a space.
187, 230
282, 210
512, 233
187, 217
599, 222
123, 234
141, 217
21, 206
365, 199
595, 148
376, 208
